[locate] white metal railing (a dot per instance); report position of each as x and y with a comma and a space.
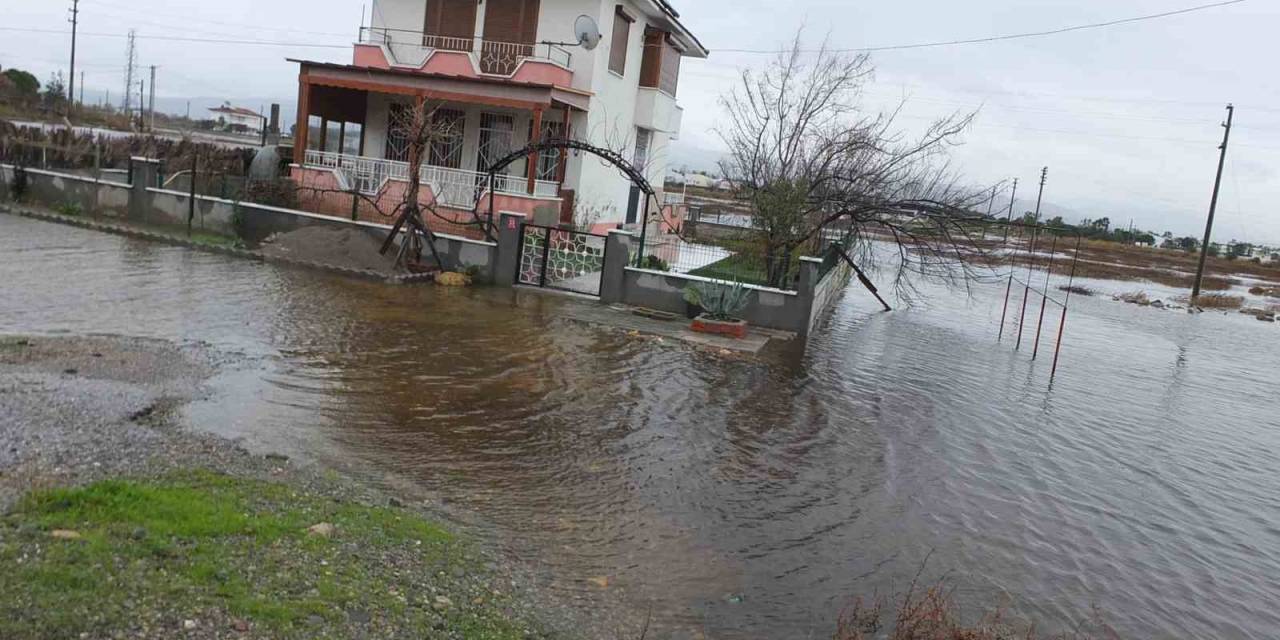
452, 187
493, 57
672, 197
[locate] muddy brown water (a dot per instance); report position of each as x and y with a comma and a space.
746, 497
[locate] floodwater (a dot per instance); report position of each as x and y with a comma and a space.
748, 497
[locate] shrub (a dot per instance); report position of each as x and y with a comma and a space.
718, 301
655, 263
1218, 301
69, 208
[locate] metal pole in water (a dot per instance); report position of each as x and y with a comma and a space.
1044, 298
1062, 324
1026, 291
1004, 315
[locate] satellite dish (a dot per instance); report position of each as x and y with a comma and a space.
587, 32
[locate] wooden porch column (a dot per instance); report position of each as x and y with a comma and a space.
303, 126
536, 136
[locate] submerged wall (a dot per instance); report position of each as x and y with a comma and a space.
145, 205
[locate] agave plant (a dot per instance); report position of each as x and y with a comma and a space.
718, 301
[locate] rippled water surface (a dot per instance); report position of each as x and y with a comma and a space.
747, 497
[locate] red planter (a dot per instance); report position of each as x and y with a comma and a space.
732, 328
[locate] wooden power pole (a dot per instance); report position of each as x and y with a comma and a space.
1213, 204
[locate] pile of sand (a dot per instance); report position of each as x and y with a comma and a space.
348, 248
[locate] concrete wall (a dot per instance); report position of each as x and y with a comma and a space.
771, 308
60, 191
252, 223
828, 291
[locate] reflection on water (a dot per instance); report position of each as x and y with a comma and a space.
748, 498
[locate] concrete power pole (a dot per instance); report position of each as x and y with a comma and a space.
151, 106
1044, 177
1012, 198
1213, 204
75, 24
81, 88
131, 59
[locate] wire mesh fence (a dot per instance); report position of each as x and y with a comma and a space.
744, 260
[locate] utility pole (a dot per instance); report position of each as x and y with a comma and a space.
75, 23
82, 88
1213, 204
1044, 177
131, 58
151, 106
1012, 198
991, 201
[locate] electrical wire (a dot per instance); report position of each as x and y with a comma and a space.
1003, 38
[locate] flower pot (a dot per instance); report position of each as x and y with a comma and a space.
731, 328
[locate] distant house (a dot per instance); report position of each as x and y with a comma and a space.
238, 118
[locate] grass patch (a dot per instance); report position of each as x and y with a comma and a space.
210, 548
216, 240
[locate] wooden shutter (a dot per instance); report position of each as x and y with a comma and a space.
621, 41
651, 60
451, 19
514, 21
670, 67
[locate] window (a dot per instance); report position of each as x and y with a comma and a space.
446, 147
352, 135
621, 41
643, 138
450, 24
398, 127
315, 124
497, 134
549, 159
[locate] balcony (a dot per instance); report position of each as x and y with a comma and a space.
657, 110
415, 49
457, 188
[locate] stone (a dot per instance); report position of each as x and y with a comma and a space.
453, 279
323, 530
138, 533
189, 624
65, 534
600, 581
1158, 304
441, 603
395, 502
240, 625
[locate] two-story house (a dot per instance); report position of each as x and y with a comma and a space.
499, 72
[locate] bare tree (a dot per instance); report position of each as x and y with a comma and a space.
812, 163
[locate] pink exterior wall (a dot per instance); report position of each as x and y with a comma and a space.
450, 63
538, 72
319, 192
370, 55
457, 63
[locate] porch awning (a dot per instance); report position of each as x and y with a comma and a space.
498, 93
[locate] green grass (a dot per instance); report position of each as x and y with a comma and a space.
156, 553
744, 268
216, 240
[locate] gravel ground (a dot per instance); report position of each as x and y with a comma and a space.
76, 409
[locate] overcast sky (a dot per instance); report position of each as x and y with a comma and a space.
1127, 118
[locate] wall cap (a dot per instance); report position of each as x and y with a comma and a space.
693, 278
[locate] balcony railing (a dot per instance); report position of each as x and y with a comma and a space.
493, 57
452, 187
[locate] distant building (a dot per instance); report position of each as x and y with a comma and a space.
238, 118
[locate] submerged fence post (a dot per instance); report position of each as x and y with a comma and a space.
1044, 298
1004, 315
1026, 291
1062, 324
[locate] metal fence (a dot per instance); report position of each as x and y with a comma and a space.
744, 261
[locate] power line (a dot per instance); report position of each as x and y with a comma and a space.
185, 39
240, 25
1002, 38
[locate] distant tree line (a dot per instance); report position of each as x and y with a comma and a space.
21, 89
